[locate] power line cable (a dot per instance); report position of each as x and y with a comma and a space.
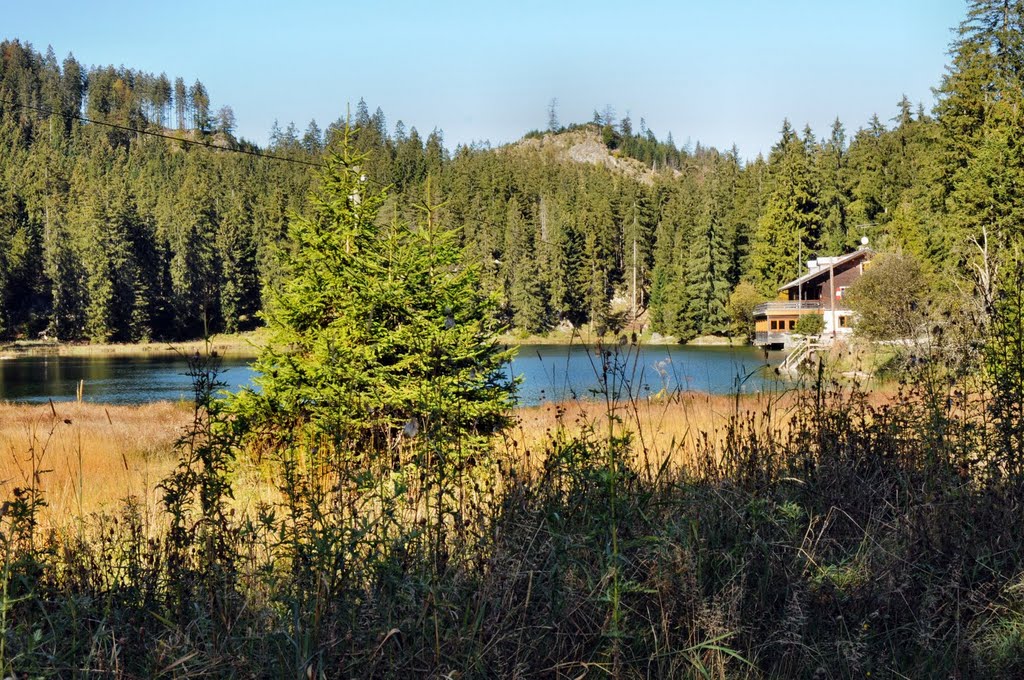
210, 145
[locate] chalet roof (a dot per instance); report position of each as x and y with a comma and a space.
823, 271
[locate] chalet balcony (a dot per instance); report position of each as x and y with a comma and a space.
787, 306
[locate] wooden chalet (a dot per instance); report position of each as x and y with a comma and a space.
820, 291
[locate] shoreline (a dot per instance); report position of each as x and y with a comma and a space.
557, 337
237, 345
249, 344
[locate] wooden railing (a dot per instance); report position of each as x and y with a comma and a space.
787, 306
803, 351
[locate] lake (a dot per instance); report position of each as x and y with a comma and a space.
548, 372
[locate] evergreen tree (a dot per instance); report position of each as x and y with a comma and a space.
64, 270
834, 198
200, 107
181, 105
789, 226
869, 174
378, 331
978, 110
410, 164
526, 295
72, 87
162, 96
312, 140
195, 263
113, 311
595, 221
748, 206
706, 286
553, 125
239, 287
225, 120
671, 258
567, 300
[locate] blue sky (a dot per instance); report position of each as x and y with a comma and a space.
715, 72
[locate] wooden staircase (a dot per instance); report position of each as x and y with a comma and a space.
800, 353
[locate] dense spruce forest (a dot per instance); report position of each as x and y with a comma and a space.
107, 234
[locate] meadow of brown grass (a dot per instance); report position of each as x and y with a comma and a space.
91, 456
662, 428
87, 457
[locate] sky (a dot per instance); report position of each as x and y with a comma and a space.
717, 73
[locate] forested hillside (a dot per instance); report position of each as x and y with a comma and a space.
108, 234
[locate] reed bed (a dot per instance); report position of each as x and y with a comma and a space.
665, 429
110, 452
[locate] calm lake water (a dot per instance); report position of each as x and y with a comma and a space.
548, 373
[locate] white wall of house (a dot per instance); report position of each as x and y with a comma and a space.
834, 322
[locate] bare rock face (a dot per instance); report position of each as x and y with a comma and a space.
590, 151
583, 146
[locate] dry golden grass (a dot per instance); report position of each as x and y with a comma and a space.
88, 457
666, 428
91, 456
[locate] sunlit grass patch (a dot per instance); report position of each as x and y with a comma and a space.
87, 457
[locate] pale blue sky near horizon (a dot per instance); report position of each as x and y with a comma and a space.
715, 73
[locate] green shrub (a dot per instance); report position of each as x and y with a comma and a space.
742, 301
810, 324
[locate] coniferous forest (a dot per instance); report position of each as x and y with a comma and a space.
377, 504
113, 235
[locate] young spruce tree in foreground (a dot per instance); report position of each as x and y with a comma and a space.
379, 332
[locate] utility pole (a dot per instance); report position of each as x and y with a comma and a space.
832, 291
635, 309
799, 271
